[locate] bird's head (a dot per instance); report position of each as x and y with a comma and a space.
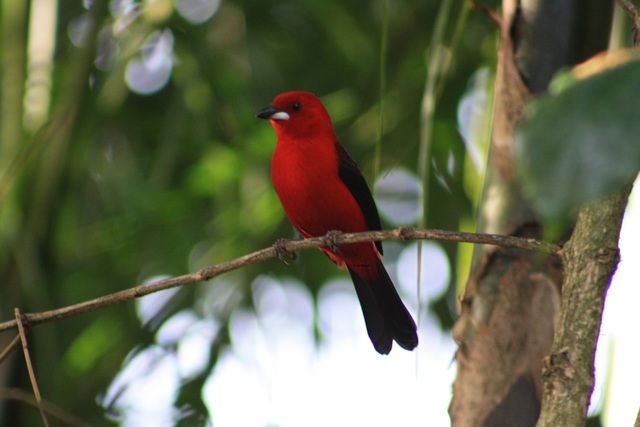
299, 115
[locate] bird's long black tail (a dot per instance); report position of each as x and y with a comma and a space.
385, 315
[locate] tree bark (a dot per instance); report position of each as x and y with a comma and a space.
590, 258
512, 299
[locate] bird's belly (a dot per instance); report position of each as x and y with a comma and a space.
315, 208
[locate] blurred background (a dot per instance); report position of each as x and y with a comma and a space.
130, 152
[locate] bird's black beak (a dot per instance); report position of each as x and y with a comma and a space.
272, 113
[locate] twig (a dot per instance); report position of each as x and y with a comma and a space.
491, 14
24, 397
634, 14
401, 233
631, 9
12, 345
32, 376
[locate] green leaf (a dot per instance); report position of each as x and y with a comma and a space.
581, 143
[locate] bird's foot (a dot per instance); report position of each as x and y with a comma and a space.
280, 246
331, 241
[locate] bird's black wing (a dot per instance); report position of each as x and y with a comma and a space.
355, 182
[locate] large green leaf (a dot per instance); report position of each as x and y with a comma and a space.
582, 142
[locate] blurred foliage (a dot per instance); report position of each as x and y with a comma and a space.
117, 188
590, 128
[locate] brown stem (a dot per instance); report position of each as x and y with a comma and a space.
401, 233
32, 375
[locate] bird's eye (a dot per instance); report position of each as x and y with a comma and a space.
297, 106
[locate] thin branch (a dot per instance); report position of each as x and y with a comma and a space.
634, 14
401, 233
18, 395
32, 375
490, 13
12, 346
631, 10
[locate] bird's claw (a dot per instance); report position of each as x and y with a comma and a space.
280, 246
331, 241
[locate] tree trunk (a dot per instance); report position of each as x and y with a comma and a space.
512, 299
590, 258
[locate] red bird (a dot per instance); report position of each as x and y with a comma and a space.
322, 190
